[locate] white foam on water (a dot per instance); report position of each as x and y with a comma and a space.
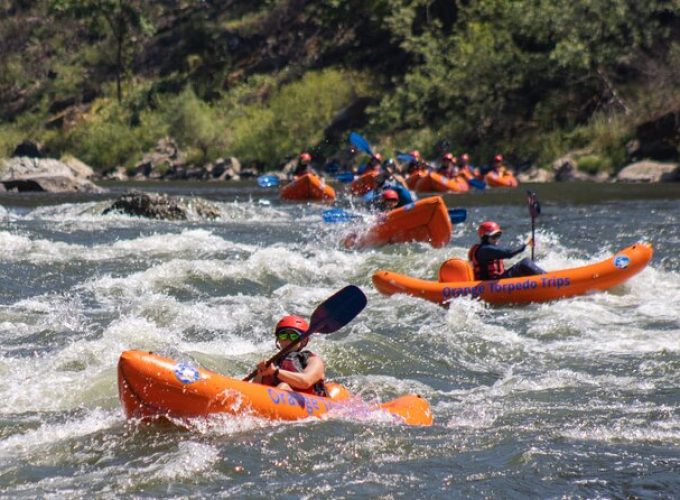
191, 459
189, 242
28, 444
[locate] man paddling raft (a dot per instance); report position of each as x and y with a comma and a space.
487, 257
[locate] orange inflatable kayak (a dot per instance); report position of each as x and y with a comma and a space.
501, 179
364, 183
424, 220
455, 280
413, 178
308, 187
433, 182
151, 386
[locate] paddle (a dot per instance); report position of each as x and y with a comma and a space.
476, 183
405, 157
345, 177
266, 181
360, 143
329, 316
338, 215
534, 212
457, 215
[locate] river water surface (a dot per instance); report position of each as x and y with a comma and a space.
576, 398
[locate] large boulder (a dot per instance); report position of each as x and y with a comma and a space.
649, 171
164, 207
536, 175
50, 175
566, 170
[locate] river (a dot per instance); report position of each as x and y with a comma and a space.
575, 398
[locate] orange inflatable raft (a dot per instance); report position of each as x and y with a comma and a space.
364, 183
456, 280
425, 220
501, 179
151, 386
433, 182
308, 187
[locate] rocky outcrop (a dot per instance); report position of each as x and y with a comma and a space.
49, 175
649, 171
536, 175
163, 207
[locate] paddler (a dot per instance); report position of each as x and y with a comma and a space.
448, 166
304, 165
373, 164
389, 200
300, 370
487, 257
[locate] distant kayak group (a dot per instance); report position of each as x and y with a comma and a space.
292, 385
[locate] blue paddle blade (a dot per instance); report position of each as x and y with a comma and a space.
338, 310
403, 157
360, 143
476, 183
457, 215
333, 215
266, 181
345, 177
369, 197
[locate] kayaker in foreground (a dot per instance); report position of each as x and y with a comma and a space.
299, 370
487, 257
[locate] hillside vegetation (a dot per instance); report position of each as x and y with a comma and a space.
104, 80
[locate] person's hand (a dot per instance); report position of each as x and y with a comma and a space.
530, 242
264, 370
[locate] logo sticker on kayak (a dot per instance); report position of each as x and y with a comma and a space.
186, 374
621, 261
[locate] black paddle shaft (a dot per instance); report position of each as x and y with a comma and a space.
329, 316
534, 212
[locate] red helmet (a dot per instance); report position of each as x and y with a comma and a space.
498, 158
449, 157
415, 153
488, 228
292, 322
465, 157
305, 156
390, 194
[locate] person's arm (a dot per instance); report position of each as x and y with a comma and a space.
305, 379
493, 252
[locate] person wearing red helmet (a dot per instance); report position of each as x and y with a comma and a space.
487, 257
466, 169
389, 199
497, 165
416, 163
300, 370
304, 165
448, 166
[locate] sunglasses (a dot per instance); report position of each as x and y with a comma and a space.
495, 236
288, 335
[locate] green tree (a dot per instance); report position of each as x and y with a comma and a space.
125, 21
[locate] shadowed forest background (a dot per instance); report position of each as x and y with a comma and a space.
104, 80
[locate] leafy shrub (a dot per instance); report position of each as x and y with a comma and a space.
593, 164
294, 116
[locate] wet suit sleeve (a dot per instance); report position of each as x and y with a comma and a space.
485, 253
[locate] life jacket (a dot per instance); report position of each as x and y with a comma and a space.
492, 270
297, 361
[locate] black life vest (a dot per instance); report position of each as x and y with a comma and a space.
297, 361
492, 270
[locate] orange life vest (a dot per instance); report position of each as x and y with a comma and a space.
492, 270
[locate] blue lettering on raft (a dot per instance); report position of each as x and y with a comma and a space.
453, 292
295, 399
497, 287
555, 282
